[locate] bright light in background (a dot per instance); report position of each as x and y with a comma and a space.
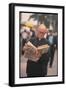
25, 17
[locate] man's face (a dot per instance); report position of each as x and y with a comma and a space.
40, 34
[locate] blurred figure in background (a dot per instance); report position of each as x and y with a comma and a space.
51, 40
25, 36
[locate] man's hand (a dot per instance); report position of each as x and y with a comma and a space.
31, 53
26, 47
37, 54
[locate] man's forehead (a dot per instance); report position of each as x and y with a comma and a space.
42, 28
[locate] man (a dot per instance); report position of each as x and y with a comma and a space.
51, 40
25, 35
38, 68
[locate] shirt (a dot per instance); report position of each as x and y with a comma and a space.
51, 40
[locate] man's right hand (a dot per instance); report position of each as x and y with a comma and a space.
37, 54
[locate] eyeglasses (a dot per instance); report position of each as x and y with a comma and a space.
42, 32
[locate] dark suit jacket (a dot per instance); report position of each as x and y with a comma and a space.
54, 39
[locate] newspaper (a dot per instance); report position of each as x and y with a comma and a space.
30, 51
43, 49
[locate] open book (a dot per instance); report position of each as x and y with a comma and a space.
30, 50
